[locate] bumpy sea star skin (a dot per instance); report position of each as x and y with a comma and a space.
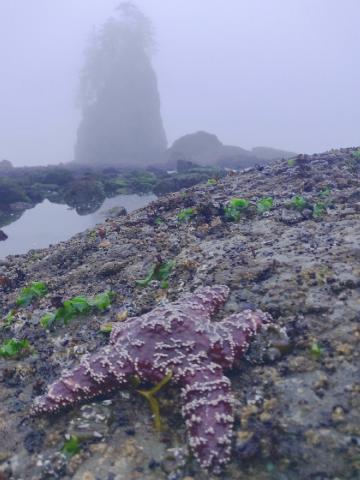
178, 338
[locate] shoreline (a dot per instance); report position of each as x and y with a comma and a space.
295, 260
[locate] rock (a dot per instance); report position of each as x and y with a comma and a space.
290, 217
338, 414
348, 211
5, 166
111, 268
307, 213
174, 183
247, 445
184, 165
20, 206
85, 195
87, 476
105, 244
3, 236
204, 148
33, 442
115, 212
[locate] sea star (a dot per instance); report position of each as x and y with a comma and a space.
177, 340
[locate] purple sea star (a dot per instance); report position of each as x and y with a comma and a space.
178, 338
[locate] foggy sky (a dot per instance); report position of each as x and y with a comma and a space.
280, 73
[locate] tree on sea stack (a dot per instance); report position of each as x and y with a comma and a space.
121, 121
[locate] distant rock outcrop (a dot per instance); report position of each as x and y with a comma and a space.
268, 153
121, 121
204, 148
200, 147
5, 166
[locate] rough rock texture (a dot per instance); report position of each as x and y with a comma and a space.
296, 405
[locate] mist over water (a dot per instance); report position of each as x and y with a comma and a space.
278, 73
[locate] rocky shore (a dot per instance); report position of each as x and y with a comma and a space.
85, 188
296, 256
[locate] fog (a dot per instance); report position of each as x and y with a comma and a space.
254, 72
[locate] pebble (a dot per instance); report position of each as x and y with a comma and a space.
111, 268
87, 476
338, 414
290, 217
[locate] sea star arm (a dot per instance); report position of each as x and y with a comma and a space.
210, 299
236, 332
96, 375
208, 414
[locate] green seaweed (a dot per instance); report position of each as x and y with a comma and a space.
264, 204
77, 306
30, 293
291, 162
316, 351
212, 181
9, 319
356, 154
71, 446
319, 209
12, 348
186, 214
102, 301
325, 192
298, 202
160, 271
234, 209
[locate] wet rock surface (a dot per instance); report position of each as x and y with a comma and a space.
296, 395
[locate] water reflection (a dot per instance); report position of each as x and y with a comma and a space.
85, 209
49, 223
